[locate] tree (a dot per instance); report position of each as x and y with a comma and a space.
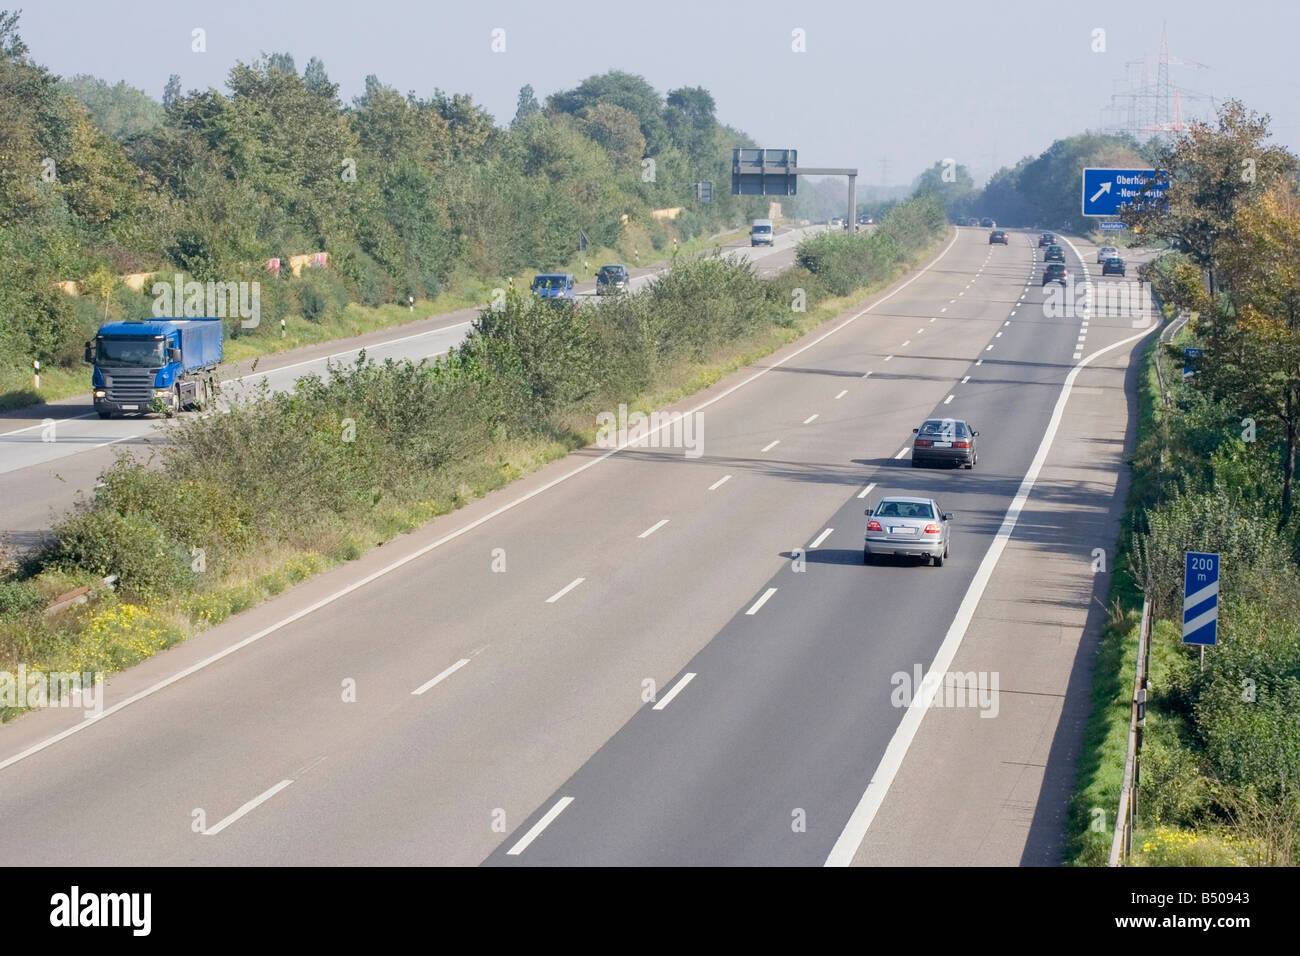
632, 93
317, 80
1255, 362
172, 91
528, 105
1212, 170
618, 131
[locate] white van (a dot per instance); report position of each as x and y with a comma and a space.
760, 234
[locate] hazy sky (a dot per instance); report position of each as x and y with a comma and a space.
900, 83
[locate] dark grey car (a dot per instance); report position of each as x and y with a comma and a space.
907, 527
946, 441
611, 280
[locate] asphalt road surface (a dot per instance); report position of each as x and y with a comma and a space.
632, 657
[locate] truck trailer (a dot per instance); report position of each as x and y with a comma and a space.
140, 361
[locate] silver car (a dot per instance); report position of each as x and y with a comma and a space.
908, 527
1105, 252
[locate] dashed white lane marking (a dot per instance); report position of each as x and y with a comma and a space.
903, 453
820, 538
761, 601
979, 362
947, 400
247, 808
888, 357
906, 344
866, 374
867, 490
841, 394
772, 444
653, 528
719, 483
443, 676
997, 335
988, 348
676, 689
811, 418
965, 379
536, 830
564, 590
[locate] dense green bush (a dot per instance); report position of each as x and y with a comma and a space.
322, 296
133, 546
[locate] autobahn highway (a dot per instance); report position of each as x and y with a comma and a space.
40, 478
640, 657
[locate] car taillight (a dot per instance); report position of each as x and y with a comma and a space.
932, 529
923, 443
874, 525
961, 444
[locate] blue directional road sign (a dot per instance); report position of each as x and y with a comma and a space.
1105, 191
1201, 599
1189, 354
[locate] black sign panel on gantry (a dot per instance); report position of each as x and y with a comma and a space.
764, 172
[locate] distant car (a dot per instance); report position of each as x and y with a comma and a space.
761, 233
1046, 239
1114, 266
972, 221
1105, 252
987, 223
611, 280
837, 222
554, 285
1054, 254
907, 527
998, 236
1056, 272
948, 441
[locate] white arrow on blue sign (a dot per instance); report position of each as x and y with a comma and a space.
1201, 599
1105, 191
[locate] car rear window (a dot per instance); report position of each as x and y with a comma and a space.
904, 509
943, 428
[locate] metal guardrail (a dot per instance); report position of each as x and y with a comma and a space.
1166, 336
1121, 844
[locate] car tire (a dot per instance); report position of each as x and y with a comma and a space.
915, 463
105, 414
937, 561
866, 556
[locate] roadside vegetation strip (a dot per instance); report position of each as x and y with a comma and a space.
248, 503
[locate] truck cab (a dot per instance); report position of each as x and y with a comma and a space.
760, 233
138, 363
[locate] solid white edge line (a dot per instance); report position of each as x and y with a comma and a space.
246, 808
445, 674
653, 528
450, 536
536, 829
719, 483
564, 590
867, 490
820, 538
676, 689
855, 830
761, 601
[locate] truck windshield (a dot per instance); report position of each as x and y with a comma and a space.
762, 230
140, 353
548, 282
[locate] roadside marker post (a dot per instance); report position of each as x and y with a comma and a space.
1201, 600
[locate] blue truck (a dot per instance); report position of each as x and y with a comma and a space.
554, 285
143, 364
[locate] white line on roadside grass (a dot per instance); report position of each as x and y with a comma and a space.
536, 829
443, 676
451, 535
820, 538
676, 689
719, 483
867, 490
653, 528
564, 590
246, 808
753, 609
856, 829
